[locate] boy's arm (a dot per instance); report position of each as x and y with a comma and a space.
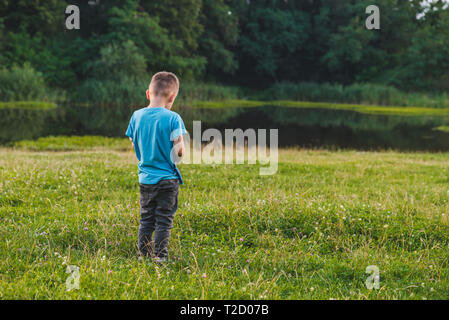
179, 146
131, 142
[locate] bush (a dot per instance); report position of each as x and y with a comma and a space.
117, 61
126, 91
23, 83
118, 77
366, 93
191, 91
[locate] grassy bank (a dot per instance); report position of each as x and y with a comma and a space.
367, 109
309, 231
24, 83
28, 105
73, 143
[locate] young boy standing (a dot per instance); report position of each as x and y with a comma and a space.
157, 136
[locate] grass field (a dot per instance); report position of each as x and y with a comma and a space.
308, 232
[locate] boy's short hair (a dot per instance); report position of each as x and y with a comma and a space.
164, 83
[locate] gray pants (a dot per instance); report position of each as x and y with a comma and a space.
158, 204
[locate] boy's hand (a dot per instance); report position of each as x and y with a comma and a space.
131, 142
179, 146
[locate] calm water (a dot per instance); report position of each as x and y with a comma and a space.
331, 128
316, 128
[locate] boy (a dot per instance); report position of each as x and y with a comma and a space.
156, 134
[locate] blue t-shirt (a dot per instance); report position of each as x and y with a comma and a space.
153, 131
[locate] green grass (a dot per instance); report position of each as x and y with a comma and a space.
35, 105
442, 128
367, 109
63, 143
308, 232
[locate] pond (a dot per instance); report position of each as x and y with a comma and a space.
331, 128
298, 126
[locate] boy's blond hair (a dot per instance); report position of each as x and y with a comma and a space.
164, 84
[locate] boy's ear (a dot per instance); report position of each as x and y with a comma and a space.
148, 94
172, 97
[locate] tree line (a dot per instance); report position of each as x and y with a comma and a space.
248, 43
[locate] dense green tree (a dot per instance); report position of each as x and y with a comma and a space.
33, 32
181, 18
426, 64
247, 42
44, 16
117, 61
346, 45
117, 76
272, 41
161, 49
218, 42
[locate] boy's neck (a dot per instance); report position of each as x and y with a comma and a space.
157, 103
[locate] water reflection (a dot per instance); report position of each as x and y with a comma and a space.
330, 128
303, 127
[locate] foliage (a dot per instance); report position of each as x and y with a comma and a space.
161, 49
244, 43
271, 41
23, 83
219, 39
118, 77
357, 93
181, 18
427, 57
192, 91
